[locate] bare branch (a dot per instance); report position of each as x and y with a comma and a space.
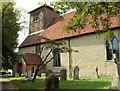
47, 55
42, 49
46, 63
49, 60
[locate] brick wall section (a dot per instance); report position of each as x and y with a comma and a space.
29, 67
23, 68
15, 69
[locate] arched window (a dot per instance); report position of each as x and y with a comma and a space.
108, 50
115, 44
112, 47
56, 59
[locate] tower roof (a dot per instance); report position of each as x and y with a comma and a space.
45, 5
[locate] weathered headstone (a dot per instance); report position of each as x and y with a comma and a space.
16, 74
48, 72
29, 73
76, 73
63, 74
52, 83
42, 74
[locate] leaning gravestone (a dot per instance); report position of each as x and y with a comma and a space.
48, 72
52, 83
76, 73
63, 74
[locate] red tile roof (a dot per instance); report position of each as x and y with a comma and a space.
31, 39
32, 59
55, 31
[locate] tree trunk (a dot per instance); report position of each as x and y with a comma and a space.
36, 72
33, 80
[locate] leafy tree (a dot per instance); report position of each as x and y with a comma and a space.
51, 46
91, 11
10, 28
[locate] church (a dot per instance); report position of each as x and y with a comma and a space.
95, 55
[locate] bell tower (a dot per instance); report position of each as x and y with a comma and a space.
41, 17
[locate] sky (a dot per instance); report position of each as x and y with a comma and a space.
26, 6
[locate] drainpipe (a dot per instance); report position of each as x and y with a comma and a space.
70, 59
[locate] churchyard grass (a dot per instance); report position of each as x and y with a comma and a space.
100, 83
39, 83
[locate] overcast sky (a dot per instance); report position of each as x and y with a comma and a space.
26, 6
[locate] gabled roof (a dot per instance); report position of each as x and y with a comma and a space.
30, 40
32, 59
55, 30
45, 5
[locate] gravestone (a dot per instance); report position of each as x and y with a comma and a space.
43, 74
76, 73
63, 74
51, 83
29, 73
16, 74
48, 72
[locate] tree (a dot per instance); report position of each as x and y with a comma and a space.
10, 28
51, 46
89, 10
93, 13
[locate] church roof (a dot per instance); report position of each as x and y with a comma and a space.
55, 30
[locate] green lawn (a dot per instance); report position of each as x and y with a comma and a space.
101, 83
